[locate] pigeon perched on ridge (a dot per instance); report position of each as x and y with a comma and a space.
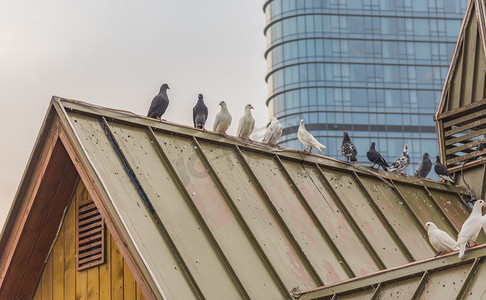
159, 103
307, 139
273, 132
424, 166
440, 240
223, 119
376, 158
442, 171
200, 113
348, 149
246, 124
470, 229
401, 162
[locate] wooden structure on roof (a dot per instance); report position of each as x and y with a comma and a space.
197, 215
461, 115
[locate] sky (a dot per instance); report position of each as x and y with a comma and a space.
117, 54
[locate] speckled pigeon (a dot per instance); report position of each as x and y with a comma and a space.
442, 171
401, 162
200, 113
424, 166
376, 158
348, 149
159, 103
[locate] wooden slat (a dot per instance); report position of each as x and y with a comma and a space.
465, 127
47, 280
89, 255
93, 284
465, 147
84, 208
88, 262
465, 157
465, 137
117, 264
89, 246
58, 266
70, 249
96, 218
96, 229
463, 110
461, 120
88, 215
129, 284
105, 269
469, 60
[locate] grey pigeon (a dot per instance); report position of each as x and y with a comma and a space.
273, 132
442, 171
471, 228
401, 162
348, 149
424, 166
200, 113
159, 103
376, 158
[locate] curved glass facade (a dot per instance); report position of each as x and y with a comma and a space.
375, 68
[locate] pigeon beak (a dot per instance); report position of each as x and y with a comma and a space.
220, 103
251, 107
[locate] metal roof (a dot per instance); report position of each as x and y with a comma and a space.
442, 278
213, 217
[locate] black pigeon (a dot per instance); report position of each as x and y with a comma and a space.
424, 166
442, 171
401, 162
200, 113
348, 149
376, 158
159, 103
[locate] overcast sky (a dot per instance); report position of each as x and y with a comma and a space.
117, 54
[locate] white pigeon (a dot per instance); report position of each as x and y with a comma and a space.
483, 223
470, 229
307, 139
273, 132
223, 119
439, 239
246, 124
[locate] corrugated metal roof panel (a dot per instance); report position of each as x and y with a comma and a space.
214, 217
441, 278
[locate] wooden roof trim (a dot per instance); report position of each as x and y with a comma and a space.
455, 57
98, 192
19, 212
393, 274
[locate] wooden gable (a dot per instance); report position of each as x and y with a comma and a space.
461, 115
60, 278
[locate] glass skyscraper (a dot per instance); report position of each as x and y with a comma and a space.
374, 68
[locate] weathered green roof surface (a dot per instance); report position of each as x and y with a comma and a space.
442, 278
213, 217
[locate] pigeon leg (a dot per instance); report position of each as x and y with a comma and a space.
310, 149
204, 129
475, 244
224, 132
249, 140
158, 118
305, 149
404, 174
